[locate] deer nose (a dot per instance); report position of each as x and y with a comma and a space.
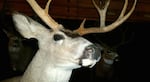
96, 51
92, 52
91, 55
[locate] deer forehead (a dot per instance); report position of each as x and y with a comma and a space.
30, 28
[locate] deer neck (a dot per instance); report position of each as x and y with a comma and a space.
41, 69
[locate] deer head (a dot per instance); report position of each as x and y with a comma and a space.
105, 67
16, 46
60, 50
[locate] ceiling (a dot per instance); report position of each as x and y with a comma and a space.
80, 9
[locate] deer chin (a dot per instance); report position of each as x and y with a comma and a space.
91, 55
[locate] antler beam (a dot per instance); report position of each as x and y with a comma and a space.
102, 12
43, 14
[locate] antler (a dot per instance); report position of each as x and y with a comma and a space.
43, 14
102, 11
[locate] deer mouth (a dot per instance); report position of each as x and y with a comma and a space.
91, 55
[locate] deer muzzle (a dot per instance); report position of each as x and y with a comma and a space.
91, 55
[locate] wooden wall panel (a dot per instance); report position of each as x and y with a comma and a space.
79, 9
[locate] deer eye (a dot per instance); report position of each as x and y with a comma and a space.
58, 37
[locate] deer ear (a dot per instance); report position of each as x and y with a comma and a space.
27, 26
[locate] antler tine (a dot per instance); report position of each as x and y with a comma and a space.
81, 29
47, 6
123, 10
110, 27
102, 10
43, 14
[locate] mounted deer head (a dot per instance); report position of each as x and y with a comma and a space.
105, 67
18, 45
60, 50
